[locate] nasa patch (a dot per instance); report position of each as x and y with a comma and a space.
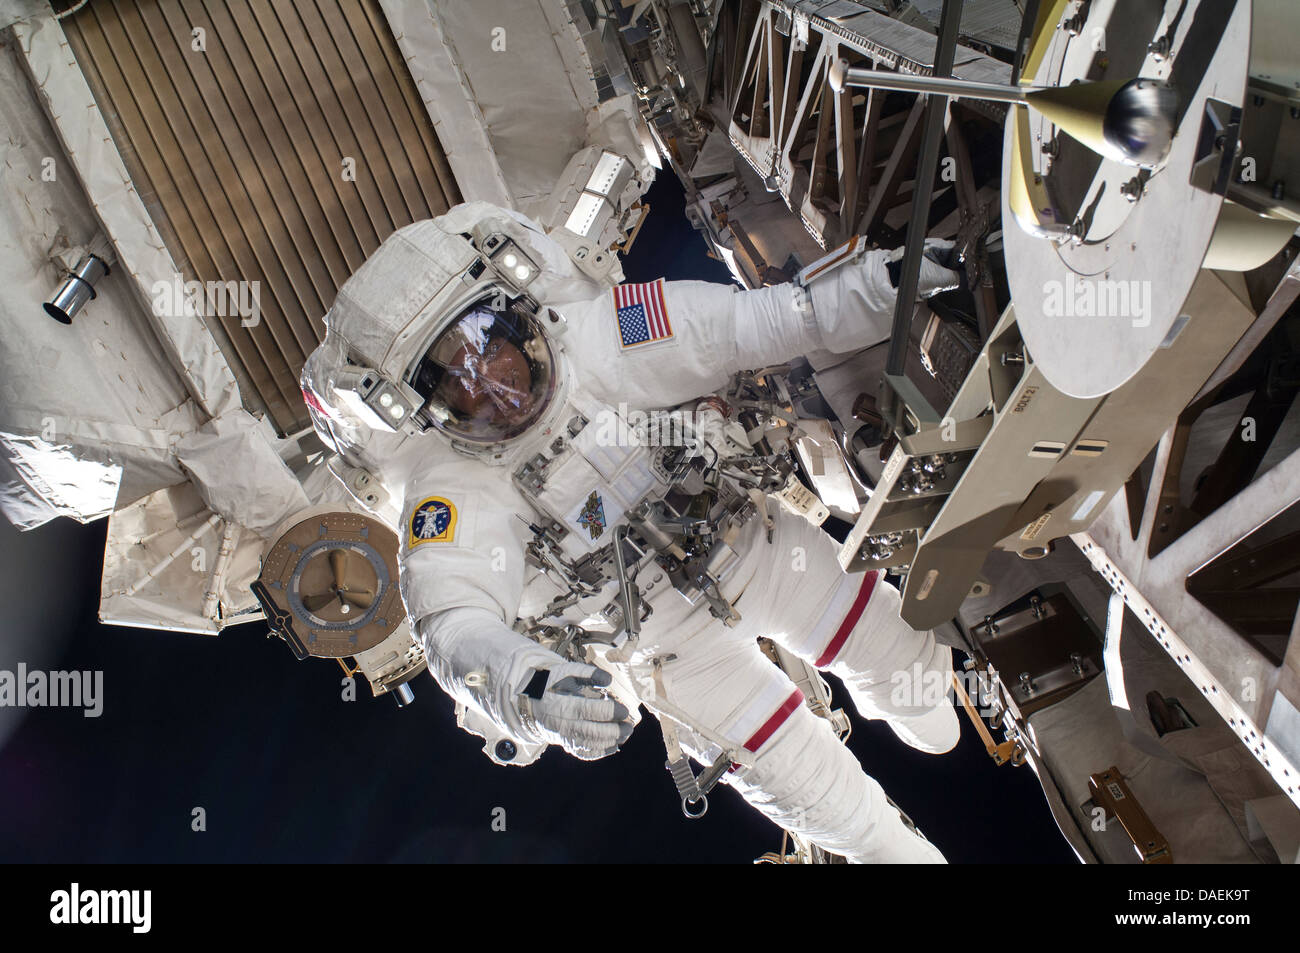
432, 521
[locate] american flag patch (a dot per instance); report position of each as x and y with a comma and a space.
642, 314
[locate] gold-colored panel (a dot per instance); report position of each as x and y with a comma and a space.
276, 142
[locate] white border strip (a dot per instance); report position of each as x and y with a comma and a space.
457, 120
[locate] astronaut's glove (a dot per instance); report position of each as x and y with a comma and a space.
528, 691
564, 705
940, 267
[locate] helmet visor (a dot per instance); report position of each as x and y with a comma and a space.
489, 376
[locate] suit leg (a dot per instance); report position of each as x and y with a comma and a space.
802, 777
849, 625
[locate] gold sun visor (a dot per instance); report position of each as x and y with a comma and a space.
489, 376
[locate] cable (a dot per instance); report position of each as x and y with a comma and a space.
71, 10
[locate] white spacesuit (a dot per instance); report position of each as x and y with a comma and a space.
476, 372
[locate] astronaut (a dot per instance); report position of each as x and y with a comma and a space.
475, 371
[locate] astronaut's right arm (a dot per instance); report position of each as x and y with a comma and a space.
528, 691
479, 661
462, 575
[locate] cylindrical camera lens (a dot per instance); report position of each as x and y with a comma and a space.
77, 289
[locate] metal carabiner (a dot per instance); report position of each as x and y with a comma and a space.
702, 800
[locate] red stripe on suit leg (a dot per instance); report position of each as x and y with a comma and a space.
850, 620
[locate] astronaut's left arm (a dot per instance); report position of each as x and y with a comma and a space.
671, 341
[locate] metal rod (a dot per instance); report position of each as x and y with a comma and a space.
661, 706
1027, 22
626, 589
171, 557
217, 580
842, 75
182, 525
905, 306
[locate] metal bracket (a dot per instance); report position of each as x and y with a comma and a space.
1217, 147
1008, 752
1111, 793
280, 623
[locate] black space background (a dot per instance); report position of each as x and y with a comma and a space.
287, 771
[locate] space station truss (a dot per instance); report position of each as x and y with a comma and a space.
840, 161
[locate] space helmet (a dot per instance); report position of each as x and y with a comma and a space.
442, 329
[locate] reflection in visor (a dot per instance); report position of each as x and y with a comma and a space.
488, 376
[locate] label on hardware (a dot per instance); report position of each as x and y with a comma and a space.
801, 501
1036, 527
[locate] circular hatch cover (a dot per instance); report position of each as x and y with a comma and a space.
331, 581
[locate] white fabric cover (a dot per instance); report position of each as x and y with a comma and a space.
86, 401
508, 85
41, 480
238, 473
15, 10
435, 67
